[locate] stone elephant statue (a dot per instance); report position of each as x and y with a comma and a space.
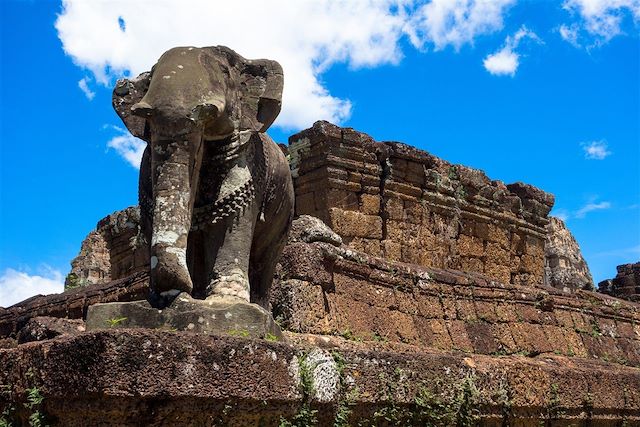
215, 192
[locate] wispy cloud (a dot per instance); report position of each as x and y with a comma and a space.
570, 33
505, 62
127, 146
83, 84
595, 150
16, 286
590, 207
624, 252
599, 21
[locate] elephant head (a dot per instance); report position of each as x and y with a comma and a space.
191, 97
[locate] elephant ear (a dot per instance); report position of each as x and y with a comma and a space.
261, 82
125, 95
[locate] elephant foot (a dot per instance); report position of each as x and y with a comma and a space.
231, 286
164, 299
169, 274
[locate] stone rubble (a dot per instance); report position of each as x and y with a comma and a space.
114, 250
625, 285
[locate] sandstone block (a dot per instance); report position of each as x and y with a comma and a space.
219, 316
347, 200
460, 338
370, 204
392, 250
499, 234
470, 246
305, 204
481, 337
371, 247
355, 224
299, 306
501, 273
45, 328
471, 264
414, 212
394, 208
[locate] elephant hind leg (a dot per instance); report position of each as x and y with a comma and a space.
272, 230
262, 268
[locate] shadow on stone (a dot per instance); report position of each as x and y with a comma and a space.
214, 316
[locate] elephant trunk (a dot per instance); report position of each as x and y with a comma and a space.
175, 165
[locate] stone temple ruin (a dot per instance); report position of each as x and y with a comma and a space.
410, 292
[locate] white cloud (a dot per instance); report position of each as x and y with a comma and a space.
83, 84
111, 38
503, 62
601, 20
128, 146
590, 207
455, 22
506, 60
595, 150
16, 286
570, 34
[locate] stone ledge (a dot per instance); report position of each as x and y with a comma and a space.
142, 377
72, 304
326, 290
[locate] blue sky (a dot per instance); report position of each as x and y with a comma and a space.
545, 92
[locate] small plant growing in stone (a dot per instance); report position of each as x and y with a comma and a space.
453, 173
305, 417
34, 400
239, 333
379, 338
431, 409
344, 404
347, 334
595, 330
115, 321
554, 410
271, 337
467, 402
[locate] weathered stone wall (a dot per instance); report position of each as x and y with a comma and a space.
625, 285
410, 346
324, 289
391, 200
564, 266
155, 378
112, 251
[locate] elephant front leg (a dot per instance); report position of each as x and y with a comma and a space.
228, 255
174, 164
228, 247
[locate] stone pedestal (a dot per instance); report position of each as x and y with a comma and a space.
220, 316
